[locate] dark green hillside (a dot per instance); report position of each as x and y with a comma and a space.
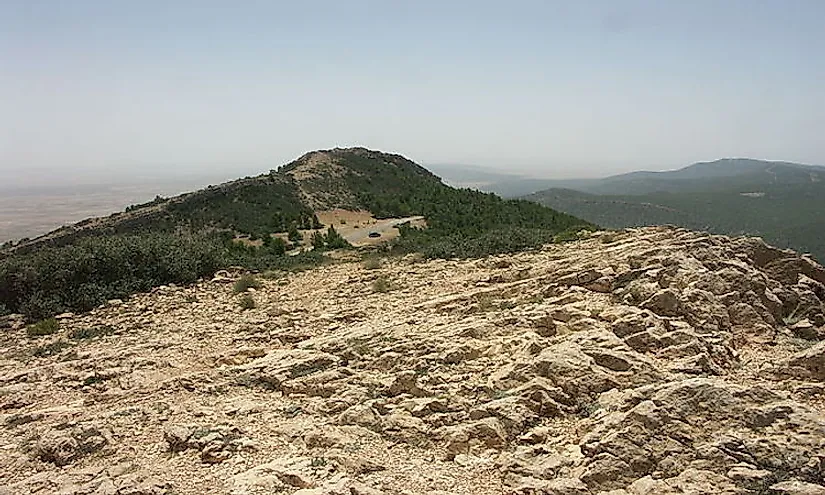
786, 215
186, 237
461, 222
781, 201
266, 204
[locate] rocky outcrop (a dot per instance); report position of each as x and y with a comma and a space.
649, 361
808, 364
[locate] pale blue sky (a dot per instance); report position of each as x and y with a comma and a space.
557, 88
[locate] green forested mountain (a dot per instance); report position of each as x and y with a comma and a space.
782, 202
703, 176
182, 238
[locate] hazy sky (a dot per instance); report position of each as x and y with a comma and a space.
559, 88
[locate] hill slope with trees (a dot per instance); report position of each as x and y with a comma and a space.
177, 240
779, 201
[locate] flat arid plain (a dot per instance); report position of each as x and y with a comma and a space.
33, 211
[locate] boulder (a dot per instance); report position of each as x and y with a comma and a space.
808, 364
65, 446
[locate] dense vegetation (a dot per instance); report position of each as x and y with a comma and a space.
85, 274
784, 215
780, 201
82, 275
181, 239
465, 223
255, 207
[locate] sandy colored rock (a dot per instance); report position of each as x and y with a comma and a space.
664, 362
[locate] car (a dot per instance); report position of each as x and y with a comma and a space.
374, 234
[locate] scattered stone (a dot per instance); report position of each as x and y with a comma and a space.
660, 362
804, 329
795, 487
215, 444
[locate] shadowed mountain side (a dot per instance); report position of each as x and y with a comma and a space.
785, 215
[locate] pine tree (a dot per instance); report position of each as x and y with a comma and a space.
294, 235
278, 246
334, 240
318, 241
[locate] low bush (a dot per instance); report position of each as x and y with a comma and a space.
48, 326
88, 333
245, 283
247, 302
382, 284
51, 349
334, 240
372, 263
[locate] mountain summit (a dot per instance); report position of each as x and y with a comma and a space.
267, 222
345, 178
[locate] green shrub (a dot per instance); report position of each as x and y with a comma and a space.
372, 263
247, 302
293, 235
88, 333
573, 234
318, 241
246, 282
48, 326
382, 284
275, 245
50, 349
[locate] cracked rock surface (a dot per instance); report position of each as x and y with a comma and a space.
642, 362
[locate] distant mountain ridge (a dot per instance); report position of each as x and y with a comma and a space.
724, 167
698, 176
783, 202
727, 172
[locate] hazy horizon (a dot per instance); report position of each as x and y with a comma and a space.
105, 92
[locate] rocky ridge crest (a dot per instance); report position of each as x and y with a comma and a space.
643, 362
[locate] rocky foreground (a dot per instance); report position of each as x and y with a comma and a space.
651, 361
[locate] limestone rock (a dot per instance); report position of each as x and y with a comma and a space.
795, 487
62, 447
279, 474
645, 361
281, 365
215, 444
808, 364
